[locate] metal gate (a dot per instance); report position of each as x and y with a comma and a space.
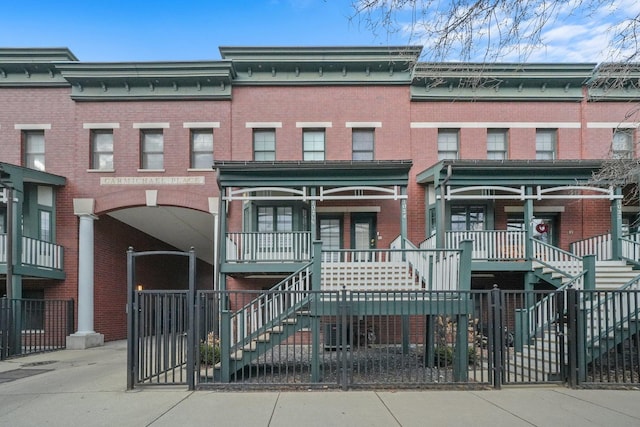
160, 338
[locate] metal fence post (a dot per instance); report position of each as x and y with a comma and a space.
342, 338
496, 346
572, 336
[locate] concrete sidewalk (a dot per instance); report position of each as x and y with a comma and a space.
87, 388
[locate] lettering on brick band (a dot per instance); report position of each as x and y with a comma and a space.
152, 180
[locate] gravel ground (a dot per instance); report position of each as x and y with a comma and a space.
379, 365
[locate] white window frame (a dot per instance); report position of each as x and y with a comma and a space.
546, 148
262, 152
448, 144
146, 153
622, 143
34, 159
97, 155
497, 143
201, 158
357, 150
311, 144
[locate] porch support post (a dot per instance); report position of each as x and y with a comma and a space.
403, 218
316, 283
616, 226
589, 267
461, 351
464, 274
429, 341
222, 234
313, 220
440, 218
316, 272
85, 336
528, 225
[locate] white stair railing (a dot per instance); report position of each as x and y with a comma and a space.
563, 262
600, 246
250, 320
433, 269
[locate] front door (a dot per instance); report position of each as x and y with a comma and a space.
363, 233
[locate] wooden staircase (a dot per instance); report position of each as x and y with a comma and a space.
541, 359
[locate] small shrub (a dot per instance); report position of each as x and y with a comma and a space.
443, 356
210, 350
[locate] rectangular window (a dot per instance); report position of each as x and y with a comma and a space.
497, 144
313, 145
546, 144
45, 226
151, 149
264, 145
467, 218
362, 144
447, 144
201, 149
622, 144
33, 143
102, 149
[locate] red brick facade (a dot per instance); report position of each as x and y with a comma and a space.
390, 105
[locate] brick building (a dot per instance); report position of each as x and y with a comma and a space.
251, 158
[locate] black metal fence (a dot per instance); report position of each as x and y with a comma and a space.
30, 326
340, 339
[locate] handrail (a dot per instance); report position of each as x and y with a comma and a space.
611, 304
630, 250
262, 312
561, 261
537, 314
601, 246
422, 266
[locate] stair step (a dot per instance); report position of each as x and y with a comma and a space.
263, 337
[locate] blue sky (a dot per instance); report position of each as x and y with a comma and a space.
144, 30
141, 30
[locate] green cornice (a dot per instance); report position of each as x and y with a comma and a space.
510, 172
32, 67
615, 82
322, 65
521, 82
321, 173
148, 80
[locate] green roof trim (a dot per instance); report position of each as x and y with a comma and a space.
313, 173
322, 65
148, 80
18, 175
509, 173
21, 67
508, 81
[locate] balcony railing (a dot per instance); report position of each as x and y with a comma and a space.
294, 246
490, 245
35, 253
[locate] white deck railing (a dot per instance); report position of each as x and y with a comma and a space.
391, 270
600, 246
490, 244
630, 247
37, 253
269, 246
